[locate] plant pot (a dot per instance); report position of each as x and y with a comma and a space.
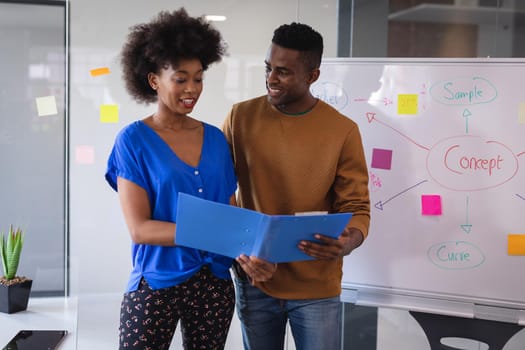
14, 297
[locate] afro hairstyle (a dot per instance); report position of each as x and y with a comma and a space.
164, 41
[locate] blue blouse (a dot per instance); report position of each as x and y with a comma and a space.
140, 155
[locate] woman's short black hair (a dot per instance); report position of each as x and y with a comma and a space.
301, 37
167, 39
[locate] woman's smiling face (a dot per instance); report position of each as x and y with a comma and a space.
179, 87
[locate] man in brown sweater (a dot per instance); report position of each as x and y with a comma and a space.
295, 153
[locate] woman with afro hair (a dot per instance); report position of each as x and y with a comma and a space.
152, 160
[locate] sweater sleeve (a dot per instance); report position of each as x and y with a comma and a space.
351, 183
226, 127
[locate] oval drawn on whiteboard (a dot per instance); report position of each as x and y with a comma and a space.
455, 255
331, 93
464, 91
471, 163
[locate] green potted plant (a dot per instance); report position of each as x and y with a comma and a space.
14, 290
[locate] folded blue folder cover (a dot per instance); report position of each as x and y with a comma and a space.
232, 231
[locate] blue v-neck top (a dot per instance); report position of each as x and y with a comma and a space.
141, 156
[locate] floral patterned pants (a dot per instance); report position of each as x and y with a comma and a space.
204, 304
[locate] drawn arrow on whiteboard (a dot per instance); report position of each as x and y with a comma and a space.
371, 117
522, 197
466, 114
379, 205
466, 226
386, 101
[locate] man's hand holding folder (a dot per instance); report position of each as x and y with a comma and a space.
234, 231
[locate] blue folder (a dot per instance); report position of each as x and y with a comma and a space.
232, 231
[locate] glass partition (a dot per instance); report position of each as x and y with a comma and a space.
431, 28
33, 137
416, 29
54, 148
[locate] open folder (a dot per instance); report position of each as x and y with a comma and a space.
232, 231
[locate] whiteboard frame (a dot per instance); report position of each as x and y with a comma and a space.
423, 301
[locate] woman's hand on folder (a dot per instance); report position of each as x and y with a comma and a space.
330, 248
258, 270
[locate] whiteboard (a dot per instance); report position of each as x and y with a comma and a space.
444, 141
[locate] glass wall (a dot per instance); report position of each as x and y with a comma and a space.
434, 28
33, 137
422, 29
39, 148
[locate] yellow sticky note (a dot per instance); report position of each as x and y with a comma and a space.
521, 113
85, 154
407, 103
46, 105
516, 244
109, 114
99, 71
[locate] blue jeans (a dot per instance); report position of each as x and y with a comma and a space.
316, 324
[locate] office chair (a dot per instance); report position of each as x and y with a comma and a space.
436, 327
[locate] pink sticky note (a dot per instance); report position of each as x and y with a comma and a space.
430, 204
381, 158
85, 154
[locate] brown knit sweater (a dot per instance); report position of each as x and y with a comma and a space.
288, 164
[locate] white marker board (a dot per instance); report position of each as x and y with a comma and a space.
450, 134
